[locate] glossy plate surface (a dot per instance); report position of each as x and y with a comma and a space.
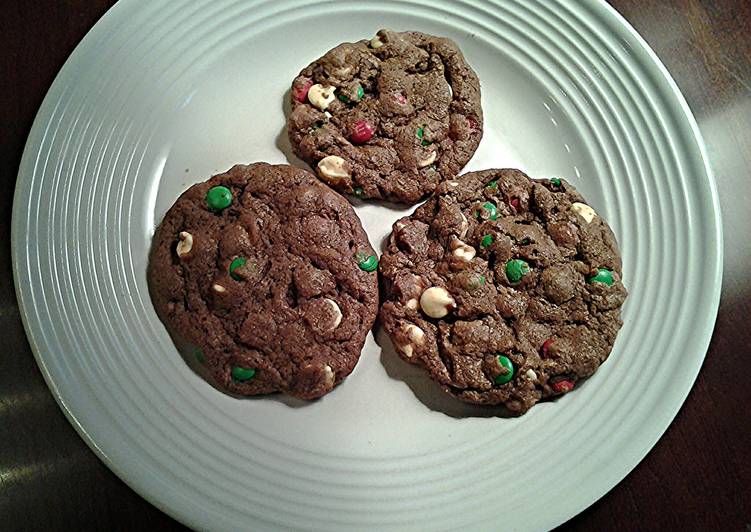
160, 95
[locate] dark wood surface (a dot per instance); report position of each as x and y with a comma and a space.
698, 477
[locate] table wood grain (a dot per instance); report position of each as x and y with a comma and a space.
697, 477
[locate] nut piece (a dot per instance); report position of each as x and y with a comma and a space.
427, 161
376, 42
340, 73
219, 288
412, 303
332, 168
328, 376
321, 96
531, 374
465, 226
462, 251
185, 244
337, 313
583, 210
416, 338
436, 302
453, 183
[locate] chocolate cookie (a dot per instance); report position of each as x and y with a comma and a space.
389, 117
271, 275
506, 290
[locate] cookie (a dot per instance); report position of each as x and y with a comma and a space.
388, 117
270, 274
506, 290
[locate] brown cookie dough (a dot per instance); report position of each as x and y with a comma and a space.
387, 118
274, 287
506, 290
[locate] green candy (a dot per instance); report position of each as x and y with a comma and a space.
476, 282
200, 357
555, 182
516, 269
526, 242
218, 198
602, 276
492, 184
486, 241
368, 263
504, 362
359, 192
242, 374
356, 97
421, 136
235, 264
491, 208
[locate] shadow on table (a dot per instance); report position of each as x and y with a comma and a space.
193, 357
426, 390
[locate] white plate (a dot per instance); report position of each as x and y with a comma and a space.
160, 95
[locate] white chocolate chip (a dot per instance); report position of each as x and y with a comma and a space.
462, 251
412, 303
416, 337
415, 334
321, 96
328, 376
465, 253
376, 42
219, 288
337, 313
465, 226
327, 114
531, 374
583, 210
427, 161
436, 302
332, 168
453, 183
185, 244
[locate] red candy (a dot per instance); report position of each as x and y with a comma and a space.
472, 122
546, 347
362, 132
514, 202
563, 386
301, 91
400, 98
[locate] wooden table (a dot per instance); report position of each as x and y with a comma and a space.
698, 477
